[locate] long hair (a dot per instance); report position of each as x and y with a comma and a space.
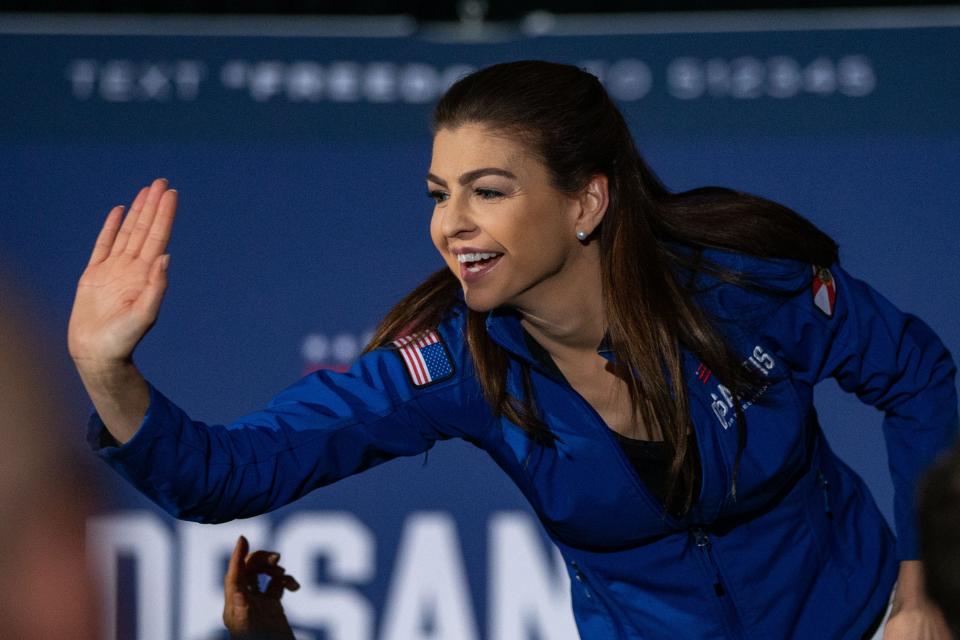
565, 119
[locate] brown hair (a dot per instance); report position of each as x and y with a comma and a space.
567, 121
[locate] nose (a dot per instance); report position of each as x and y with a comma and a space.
456, 219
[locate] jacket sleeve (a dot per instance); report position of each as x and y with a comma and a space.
891, 360
326, 426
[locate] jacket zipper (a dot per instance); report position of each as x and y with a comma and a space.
644, 491
581, 579
732, 619
823, 483
652, 502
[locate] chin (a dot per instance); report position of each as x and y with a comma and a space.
479, 302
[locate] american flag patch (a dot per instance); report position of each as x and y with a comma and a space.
703, 373
824, 290
425, 358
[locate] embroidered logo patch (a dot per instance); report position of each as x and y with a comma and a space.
425, 358
824, 289
722, 398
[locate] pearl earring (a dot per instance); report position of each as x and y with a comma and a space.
581, 235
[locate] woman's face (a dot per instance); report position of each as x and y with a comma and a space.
498, 223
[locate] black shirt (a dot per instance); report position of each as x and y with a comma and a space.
650, 458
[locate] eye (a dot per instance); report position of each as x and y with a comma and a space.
436, 196
488, 194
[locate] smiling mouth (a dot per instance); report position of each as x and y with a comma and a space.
474, 265
475, 262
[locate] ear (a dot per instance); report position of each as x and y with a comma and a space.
593, 198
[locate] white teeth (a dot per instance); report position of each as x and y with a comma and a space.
475, 257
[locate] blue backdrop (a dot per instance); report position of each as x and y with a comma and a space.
300, 164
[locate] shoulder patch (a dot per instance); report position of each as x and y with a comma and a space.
425, 358
824, 290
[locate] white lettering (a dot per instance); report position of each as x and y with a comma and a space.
127, 80
419, 83
748, 77
762, 358
233, 74
428, 597
629, 79
820, 77
305, 82
83, 78
265, 80
154, 82
856, 76
143, 536
685, 78
187, 76
727, 396
348, 546
345, 347
380, 83
784, 78
116, 81
530, 589
720, 410
344, 82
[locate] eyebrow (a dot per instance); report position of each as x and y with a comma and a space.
470, 176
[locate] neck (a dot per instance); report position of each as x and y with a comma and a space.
565, 313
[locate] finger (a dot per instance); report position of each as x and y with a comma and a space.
145, 219
159, 233
278, 583
291, 583
128, 223
263, 561
265, 567
235, 567
107, 235
147, 304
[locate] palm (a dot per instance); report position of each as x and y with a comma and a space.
264, 614
119, 294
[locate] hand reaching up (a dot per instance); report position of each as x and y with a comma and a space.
248, 612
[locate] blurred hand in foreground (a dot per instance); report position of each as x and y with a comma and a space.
251, 613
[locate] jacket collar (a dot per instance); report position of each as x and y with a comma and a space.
504, 328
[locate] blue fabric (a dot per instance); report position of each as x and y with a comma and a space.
802, 551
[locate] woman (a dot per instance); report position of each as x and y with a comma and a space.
640, 363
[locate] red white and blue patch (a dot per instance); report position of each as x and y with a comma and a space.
425, 358
824, 289
703, 373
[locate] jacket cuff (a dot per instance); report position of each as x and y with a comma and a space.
105, 446
908, 546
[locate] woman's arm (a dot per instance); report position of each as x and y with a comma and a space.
117, 302
891, 360
843, 328
323, 428
326, 426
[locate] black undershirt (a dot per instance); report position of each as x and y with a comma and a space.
650, 458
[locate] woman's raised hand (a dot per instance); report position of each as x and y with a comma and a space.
119, 294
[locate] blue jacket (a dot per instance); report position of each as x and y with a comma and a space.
802, 551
